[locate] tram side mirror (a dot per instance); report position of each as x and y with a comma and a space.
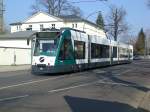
28, 41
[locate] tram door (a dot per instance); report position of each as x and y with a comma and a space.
65, 52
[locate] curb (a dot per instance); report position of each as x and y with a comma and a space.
3, 71
14, 68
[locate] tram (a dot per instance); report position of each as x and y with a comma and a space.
69, 50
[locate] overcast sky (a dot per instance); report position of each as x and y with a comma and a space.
138, 14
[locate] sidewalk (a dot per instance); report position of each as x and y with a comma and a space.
145, 104
14, 68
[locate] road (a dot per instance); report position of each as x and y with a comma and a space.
118, 88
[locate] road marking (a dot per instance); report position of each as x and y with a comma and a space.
99, 71
124, 72
72, 87
13, 98
87, 84
121, 84
37, 81
31, 82
113, 83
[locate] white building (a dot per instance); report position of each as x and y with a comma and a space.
14, 49
42, 20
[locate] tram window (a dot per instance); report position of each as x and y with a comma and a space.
99, 51
79, 49
105, 51
92, 50
95, 50
45, 47
130, 53
50, 35
123, 52
114, 52
37, 49
66, 52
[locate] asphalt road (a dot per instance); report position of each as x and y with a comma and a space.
118, 88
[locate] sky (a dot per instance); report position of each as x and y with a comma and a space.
138, 14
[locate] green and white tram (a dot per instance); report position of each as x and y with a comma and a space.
67, 50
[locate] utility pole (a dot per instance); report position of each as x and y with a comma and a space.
1, 16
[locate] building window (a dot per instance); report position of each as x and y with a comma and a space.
76, 25
17, 27
53, 25
41, 27
29, 28
72, 25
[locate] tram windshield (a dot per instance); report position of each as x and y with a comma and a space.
46, 44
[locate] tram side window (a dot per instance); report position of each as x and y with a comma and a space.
123, 52
66, 52
114, 52
130, 53
105, 51
95, 50
79, 49
99, 51
92, 50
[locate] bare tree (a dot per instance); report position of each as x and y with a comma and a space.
35, 7
54, 7
57, 7
75, 11
116, 24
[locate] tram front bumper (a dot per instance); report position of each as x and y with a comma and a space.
44, 69
51, 69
